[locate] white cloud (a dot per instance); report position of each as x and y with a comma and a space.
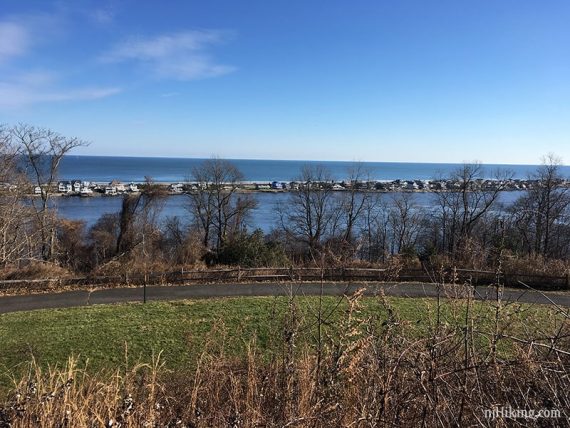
14, 40
165, 45
181, 56
19, 86
19, 34
37, 87
103, 16
190, 68
36, 78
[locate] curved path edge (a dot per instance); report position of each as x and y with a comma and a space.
79, 298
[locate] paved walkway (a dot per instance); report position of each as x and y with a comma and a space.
198, 291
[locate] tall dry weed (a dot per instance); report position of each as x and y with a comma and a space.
376, 368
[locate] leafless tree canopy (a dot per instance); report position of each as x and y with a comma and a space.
138, 218
540, 218
466, 226
30, 157
41, 150
464, 206
308, 216
16, 225
218, 210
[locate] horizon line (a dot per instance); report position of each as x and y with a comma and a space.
306, 160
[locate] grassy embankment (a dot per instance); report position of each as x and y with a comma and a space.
102, 336
279, 362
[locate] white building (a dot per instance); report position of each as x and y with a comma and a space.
119, 187
176, 187
64, 187
110, 190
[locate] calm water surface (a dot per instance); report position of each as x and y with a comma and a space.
263, 217
107, 168
127, 169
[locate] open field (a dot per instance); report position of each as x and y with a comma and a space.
101, 335
281, 361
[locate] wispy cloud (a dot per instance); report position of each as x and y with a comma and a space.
20, 36
165, 45
103, 16
14, 40
39, 87
182, 56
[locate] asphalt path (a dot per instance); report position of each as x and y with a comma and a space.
77, 298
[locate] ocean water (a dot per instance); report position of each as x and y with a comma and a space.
127, 169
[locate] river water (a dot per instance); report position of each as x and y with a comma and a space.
264, 216
127, 169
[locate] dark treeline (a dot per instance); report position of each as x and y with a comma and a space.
467, 227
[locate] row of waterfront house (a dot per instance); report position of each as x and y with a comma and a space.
86, 188
408, 185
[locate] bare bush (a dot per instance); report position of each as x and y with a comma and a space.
367, 369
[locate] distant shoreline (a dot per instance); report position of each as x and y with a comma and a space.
115, 188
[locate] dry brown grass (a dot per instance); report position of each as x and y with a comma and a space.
133, 264
362, 371
536, 265
34, 270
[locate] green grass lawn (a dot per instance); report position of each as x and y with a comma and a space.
104, 334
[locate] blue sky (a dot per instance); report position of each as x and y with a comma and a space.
378, 80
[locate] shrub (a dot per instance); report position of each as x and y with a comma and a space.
252, 250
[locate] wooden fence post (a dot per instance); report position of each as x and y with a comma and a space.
144, 287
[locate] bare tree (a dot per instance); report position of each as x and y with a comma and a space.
181, 245
542, 210
217, 208
8, 157
15, 217
138, 218
467, 201
102, 237
41, 151
374, 227
307, 216
404, 222
350, 207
